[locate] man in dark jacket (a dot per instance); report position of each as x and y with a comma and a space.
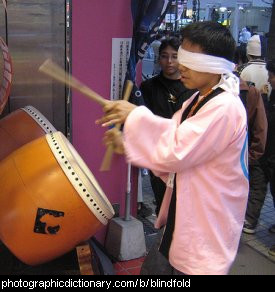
257, 132
164, 95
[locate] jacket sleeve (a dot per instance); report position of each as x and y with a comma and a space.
165, 146
257, 124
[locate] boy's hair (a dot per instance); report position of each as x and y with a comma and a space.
170, 42
213, 38
270, 66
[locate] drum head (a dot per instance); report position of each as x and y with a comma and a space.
40, 119
80, 177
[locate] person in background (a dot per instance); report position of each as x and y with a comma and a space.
143, 210
155, 46
245, 35
257, 133
200, 153
163, 95
255, 70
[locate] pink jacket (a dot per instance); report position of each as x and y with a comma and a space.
209, 154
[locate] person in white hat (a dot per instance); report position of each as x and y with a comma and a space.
255, 70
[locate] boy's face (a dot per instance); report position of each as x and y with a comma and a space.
194, 79
271, 79
168, 60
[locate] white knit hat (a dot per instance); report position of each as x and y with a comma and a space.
254, 46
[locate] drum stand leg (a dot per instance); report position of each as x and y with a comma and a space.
84, 255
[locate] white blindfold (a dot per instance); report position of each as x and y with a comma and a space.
204, 63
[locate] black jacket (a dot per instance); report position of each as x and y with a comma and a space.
257, 120
269, 155
164, 96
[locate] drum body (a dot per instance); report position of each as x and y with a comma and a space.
49, 200
21, 127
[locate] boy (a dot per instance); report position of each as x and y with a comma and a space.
205, 145
163, 95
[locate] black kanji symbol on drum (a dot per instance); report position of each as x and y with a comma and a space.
45, 221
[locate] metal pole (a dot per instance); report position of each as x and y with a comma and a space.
194, 13
6, 24
7, 42
176, 16
128, 195
68, 63
199, 7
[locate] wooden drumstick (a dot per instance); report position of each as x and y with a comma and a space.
107, 159
56, 72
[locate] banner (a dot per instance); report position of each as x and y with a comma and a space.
120, 56
147, 16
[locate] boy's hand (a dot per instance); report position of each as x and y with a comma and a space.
114, 137
115, 112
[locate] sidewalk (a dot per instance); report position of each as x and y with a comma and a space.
262, 239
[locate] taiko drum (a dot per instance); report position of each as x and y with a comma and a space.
49, 200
